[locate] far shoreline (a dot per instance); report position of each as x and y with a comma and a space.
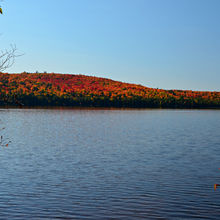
102, 108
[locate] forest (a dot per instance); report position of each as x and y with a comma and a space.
50, 89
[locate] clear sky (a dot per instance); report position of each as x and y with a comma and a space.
157, 43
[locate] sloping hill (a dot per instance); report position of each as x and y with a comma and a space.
43, 89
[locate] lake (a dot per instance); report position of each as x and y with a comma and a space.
109, 164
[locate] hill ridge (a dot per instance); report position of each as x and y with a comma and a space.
56, 89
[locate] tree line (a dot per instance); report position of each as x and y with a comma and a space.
43, 89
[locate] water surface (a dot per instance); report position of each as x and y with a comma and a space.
109, 164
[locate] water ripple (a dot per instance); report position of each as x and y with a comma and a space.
110, 164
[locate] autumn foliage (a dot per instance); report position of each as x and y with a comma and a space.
43, 89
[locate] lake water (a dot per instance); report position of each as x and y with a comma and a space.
109, 164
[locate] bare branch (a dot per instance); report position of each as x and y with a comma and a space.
7, 57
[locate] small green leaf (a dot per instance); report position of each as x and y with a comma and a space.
1, 11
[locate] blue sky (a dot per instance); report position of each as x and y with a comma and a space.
157, 43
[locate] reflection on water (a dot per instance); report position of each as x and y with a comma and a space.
103, 164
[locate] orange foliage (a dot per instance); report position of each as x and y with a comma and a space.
67, 89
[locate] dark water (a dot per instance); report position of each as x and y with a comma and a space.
110, 164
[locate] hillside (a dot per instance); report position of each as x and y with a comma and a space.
43, 89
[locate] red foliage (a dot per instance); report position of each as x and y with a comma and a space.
60, 85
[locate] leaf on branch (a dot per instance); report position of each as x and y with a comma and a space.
1, 11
